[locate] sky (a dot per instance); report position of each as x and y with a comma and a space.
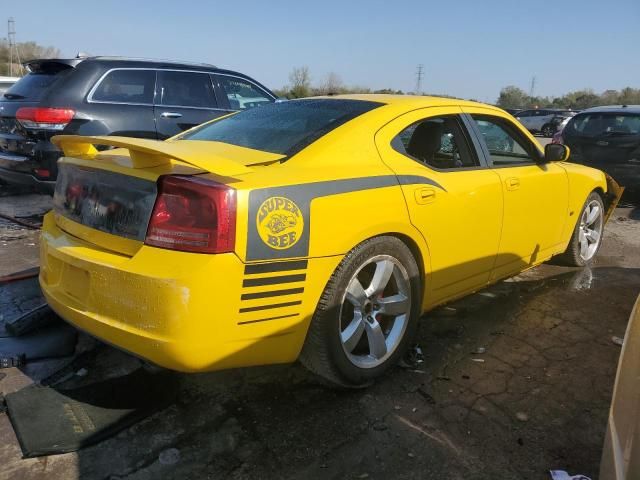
469, 49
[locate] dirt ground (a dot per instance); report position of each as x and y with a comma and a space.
517, 380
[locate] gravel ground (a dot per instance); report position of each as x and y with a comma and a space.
516, 380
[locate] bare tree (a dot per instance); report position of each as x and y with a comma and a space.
332, 84
27, 51
300, 81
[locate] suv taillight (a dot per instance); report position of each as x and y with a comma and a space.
193, 215
44, 118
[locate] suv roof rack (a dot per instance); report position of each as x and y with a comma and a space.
157, 60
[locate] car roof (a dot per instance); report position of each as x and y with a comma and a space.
146, 62
614, 109
413, 101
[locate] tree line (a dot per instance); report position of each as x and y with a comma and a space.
300, 86
26, 51
514, 97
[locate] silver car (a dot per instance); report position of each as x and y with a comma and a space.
541, 120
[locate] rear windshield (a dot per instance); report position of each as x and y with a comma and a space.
284, 128
594, 124
33, 86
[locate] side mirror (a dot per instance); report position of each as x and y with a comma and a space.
556, 152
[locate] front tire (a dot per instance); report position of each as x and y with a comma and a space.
587, 235
367, 314
548, 131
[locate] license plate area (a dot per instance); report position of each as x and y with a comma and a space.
107, 201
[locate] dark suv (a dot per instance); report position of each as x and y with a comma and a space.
607, 138
109, 96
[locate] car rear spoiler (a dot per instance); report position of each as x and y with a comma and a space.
49, 64
614, 192
221, 159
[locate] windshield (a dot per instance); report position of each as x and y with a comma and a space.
283, 128
595, 124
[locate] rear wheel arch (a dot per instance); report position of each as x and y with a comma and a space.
319, 352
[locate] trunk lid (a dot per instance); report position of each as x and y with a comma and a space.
107, 198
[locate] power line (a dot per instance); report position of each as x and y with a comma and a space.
14, 54
419, 74
533, 86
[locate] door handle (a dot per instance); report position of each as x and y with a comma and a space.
425, 195
170, 115
512, 183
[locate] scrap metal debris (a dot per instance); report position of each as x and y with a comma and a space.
617, 341
562, 475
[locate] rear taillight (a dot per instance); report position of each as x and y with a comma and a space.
44, 118
193, 215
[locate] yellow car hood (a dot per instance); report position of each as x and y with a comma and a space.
215, 157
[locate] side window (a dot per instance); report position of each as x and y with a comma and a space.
505, 144
438, 142
242, 94
126, 86
185, 89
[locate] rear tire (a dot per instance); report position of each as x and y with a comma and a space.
587, 234
367, 314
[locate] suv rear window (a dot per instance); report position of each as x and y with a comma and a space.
126, 86
609, 123
284, 128
33, 86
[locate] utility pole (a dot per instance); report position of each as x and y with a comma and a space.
14, 55
419, 74
533, 86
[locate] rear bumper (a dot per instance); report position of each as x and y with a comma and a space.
178, 310
26, 179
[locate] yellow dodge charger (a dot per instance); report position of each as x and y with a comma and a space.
316, 229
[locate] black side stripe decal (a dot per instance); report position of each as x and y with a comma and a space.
275, 267
273, 293
302, 195
269, 307
270, 318
418, 180
256, 282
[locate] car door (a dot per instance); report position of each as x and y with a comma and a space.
453, 199
525, 118
121, 103
184, 99
535, 194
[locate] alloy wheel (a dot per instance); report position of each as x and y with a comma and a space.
590, 230
375, 310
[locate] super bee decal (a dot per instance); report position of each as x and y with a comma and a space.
279, 222
279, 217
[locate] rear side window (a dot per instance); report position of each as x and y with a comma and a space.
612, 124
126, 86
186, 89
242, 94
437, 142
33, 86
284, 128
